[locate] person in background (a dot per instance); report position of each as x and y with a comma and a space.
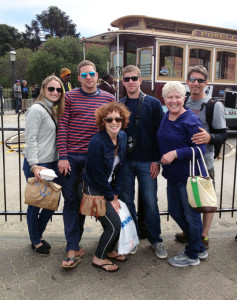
65, 76
25, 93
41, 152
17, 95
141, 162
103, 176
76, 128
108, 84
174, 141
35, 91
197, 81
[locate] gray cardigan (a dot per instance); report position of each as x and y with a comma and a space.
40, 135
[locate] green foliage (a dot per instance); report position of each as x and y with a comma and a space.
9, 38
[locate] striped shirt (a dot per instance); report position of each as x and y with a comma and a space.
77, 125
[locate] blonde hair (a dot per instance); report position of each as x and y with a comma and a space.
131, 68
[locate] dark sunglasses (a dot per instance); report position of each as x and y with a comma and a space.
84, 75
199, 80
52, 89
127, 79
117, 119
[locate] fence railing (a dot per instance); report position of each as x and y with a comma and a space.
18, 145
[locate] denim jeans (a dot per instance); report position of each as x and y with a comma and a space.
73, 221
37, 220
17, 104
148, 189
187, 218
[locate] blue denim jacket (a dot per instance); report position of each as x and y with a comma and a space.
100, 162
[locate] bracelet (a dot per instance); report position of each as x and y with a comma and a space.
33, 167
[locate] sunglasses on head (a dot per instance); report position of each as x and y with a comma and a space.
84, 75
199, 80
52, 89
127, 79
117, 119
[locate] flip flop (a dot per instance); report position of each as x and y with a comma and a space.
116, 258
76, 261
101, 267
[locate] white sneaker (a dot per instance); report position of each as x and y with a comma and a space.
134, 250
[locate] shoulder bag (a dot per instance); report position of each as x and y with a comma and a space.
201, 193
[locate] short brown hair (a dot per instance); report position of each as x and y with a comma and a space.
102, 112
198, 69
131, 68
85, 63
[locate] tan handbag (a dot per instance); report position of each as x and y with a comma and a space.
43, 194
94, 206
201, 193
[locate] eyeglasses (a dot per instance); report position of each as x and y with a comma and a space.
68, 75
52, 89
127, 79
84, 75
117, 119
199, 80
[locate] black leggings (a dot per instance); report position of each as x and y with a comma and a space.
111, 224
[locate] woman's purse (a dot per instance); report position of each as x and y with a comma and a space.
201, 193
94, 206
43, 194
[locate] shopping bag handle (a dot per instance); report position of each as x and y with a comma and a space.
192, 164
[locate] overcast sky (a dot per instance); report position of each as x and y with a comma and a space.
94, 17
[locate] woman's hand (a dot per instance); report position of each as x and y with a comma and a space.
115, 203
168, 157
36, 171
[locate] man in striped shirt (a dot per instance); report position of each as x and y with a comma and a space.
75, 129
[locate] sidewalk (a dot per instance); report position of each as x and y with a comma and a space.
27, 275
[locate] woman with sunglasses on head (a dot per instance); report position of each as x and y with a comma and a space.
41, 151
103, 176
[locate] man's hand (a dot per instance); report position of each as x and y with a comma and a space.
64, 166
154, 170
202, 137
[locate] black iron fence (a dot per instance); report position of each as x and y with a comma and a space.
17, 144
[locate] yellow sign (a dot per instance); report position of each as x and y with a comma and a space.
215, 35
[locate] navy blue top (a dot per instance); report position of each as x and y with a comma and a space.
150, 117
101, 155
176, 135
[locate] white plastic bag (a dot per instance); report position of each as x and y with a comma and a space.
128, 238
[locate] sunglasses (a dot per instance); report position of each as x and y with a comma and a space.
199, 80
52, 89
117, 119
84, 75
127, 79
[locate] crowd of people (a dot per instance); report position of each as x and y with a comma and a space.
104, 145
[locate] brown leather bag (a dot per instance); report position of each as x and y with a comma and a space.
94, 206
43, 194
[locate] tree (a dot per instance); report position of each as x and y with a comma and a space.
99, 55
9, 38
31, 37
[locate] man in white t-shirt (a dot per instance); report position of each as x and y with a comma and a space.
197, 81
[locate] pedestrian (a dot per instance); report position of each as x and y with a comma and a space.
146, 115
212, 134
17, 95
65, 76
108, 84
76, 128
103, 177
25, 93
35, 91
174, 141
41, 152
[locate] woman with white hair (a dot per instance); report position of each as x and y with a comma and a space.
174, 138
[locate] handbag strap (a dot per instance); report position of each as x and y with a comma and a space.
192, 164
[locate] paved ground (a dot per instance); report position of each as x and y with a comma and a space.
26, 275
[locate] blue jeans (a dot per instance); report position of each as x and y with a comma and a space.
36, 220
148, 189
18, 104
187, 218
73, 221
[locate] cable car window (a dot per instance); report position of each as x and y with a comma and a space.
171, 61
225, 65
145, 59
200, 57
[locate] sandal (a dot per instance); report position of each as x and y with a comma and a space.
102, 267
117, 258
76, 261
